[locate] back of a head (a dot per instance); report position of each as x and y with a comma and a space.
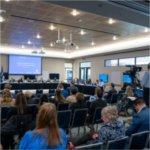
98, 92
138, 101
47, 118
43, 99
74, 90
60, 86
112, 85
79, 97
58, 96
20, 100
129, 91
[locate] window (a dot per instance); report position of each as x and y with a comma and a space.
111, 62
85, 71
142, 60
126, 61
68, 71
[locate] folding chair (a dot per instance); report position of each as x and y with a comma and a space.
138, 140
117, 144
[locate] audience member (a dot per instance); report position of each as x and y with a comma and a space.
72, 97
47, 134
64, 92
58, 97
43, 99
80, 102
140, 121
6, 98
146, 85
98, 103
129, 91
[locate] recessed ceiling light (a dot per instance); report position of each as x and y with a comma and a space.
38, 36
2, 19
92, 43
111, 21
52, 27
146, 30
64, 40
51, 45
114, 38
7, 0
82, 32
75, 12
77, 47
29, 42
22, 46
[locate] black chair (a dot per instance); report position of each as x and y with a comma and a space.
79, 118
138, 140
62, 106
114, 98
4, 113
64, 119
97, 146
117, 144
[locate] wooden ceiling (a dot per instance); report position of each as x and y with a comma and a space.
25, 19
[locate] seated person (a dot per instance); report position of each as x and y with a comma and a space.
80, 104
140, 121
110, 92
6, 98
43, 99
58, 97
112, 128
64, 92
72, 97
47, 134
98, 103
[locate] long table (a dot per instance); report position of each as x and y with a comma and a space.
86, 89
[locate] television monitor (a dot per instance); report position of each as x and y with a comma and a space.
25, 65
54, 76
103, 77
127, 79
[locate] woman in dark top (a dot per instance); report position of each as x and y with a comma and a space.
58, 97
80, 104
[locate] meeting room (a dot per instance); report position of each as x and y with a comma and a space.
74, 75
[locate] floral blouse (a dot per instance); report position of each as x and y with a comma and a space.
111, 131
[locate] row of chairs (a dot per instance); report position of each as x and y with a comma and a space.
136, 141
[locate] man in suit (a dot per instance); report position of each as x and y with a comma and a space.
140, 121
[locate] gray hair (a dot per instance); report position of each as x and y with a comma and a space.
110, 112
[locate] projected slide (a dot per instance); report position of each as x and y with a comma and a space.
103, 77
24, 64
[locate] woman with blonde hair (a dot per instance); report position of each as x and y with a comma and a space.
129, 91
47, 134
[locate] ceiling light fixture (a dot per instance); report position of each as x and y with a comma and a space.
111, 21
64, 40
82, 32
75, 12
22, 46
92, 43
146, 30
52, 27
7, 0
29, 42
51, 45
38, 36
2, 19
114, 38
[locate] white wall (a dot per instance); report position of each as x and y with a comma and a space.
97, 65
53, 65
49, 65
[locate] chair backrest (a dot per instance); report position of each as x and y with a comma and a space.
138, 140
117, 144
79, 117
97, 115
64, 119
62, 106
147, 144
97, 146
114, 98
4, 112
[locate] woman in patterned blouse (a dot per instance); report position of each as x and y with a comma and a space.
113, 128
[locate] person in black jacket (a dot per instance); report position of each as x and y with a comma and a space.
99, 103
80, 104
